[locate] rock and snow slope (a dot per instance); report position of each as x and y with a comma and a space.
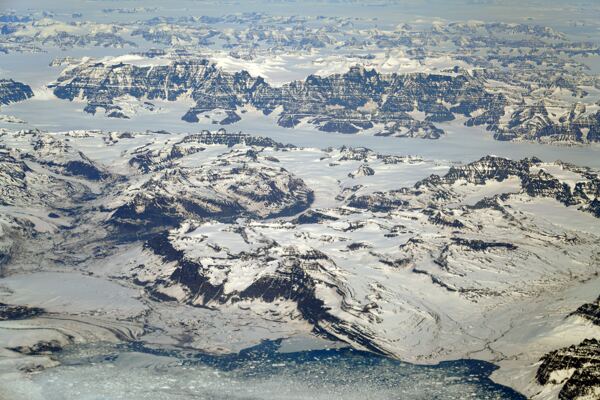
442, 267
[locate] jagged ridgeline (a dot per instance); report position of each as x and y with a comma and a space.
357, 100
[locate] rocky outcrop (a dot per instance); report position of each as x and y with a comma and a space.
11, 312
210, 87
231, 139
481, 171
534, 122
577, 367
545, 185
590, 311
39, 348
13, 92
377, 202
146, 160
534, 181
314, 217
363, 170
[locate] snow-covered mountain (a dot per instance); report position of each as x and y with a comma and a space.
143, 254
357, 100
347, 103
449, 266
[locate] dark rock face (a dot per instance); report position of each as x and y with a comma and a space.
545, 185
583, 361
590, 311
12, 92
231, 118
86, 170
9, 312
187, 273
480, 245
5, 256
144, 212
292, 283
441, 218
43, 347
582, 384
533, 122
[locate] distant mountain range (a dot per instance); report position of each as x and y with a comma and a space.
360, 99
